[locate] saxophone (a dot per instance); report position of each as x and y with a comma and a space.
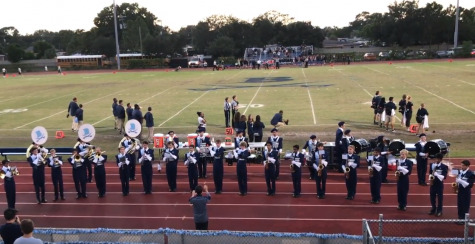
431, 178
347, 169
455, 187
397, 174
370, 170
320, 166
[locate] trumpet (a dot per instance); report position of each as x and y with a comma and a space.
2, 174
455, 187
15, 171
77, 158
100, 154
56, 161
347, 172
431, 179
320, 166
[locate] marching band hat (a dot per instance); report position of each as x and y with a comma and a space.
274, 130
341, 123
313, 137
421, 135
347, 132
171, 132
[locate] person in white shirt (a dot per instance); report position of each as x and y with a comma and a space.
27, 228
4, 71
19, 71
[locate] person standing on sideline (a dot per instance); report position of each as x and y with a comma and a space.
149, 123
11, 230
80, 116
114, 112
257, 127
234, 107
27, 227
227, 112
129, 112
59, 70
464, 185
72, 108
137, 115
120, 116
199, 203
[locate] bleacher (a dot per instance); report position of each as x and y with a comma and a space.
286, 55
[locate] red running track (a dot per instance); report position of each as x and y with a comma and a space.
254, 212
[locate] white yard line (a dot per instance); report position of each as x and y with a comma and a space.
449, 68
262, 82
435, 95
365, 91
468, 83
64, 111
28, 95
310, 97
173, 116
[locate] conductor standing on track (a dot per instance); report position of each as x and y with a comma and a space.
200, 211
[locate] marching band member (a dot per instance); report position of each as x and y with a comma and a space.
128, 144
56, 163
79, 173
172, 137
438, 173
201, 142
270, 156
384, 153
352, 162
297, 159
320, 158
9, 184
405, 169
123, 161
145, 159
240, 138
464, 182
171, 158
421, 157
37, 162
311, 145
346, 141
277, 143
339, 152
190, 162
241, 156
374, 168
217, 152
83, 148
99, 171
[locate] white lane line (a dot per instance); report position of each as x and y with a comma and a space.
173, 116
64, 111
310, 97
435, 95
262, 82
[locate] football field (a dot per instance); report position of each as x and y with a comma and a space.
313, 99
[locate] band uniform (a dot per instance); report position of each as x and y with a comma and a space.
128, 142
311, 146
123, 162
404, 167
79, 174
375, 175
37, 162
83, 148
296, 165
384, 150
170, 157
320, 158
464, 186
277, 144
352, 162
191, 158
270, 156
242, 154
438, 173
217, 152
421, 158
99, 159
146, 158
9, 183
200, 142
56, 164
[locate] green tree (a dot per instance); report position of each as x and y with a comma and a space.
15, 53
223, 46
40, 48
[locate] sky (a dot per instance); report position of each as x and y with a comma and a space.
54, 15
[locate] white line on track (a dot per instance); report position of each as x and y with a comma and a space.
435, 95
310, 97
233, 193
173, 116
28, 95
64, 111
262, 82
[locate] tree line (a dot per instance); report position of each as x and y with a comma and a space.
404, 24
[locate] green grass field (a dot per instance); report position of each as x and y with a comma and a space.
314, 100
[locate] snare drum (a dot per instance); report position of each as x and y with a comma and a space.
396, 146
435, 146
361, 145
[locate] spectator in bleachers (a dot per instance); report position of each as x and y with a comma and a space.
27, 228
11, 230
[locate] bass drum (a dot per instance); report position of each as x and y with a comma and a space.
396, 146
436, 146
361, 145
